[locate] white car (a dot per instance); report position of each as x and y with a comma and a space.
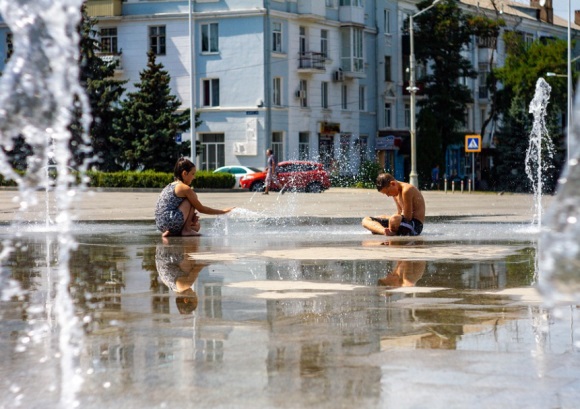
238, 172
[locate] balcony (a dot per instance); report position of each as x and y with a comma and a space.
104, 8
351, 15
311, 62
312, 10
107, 57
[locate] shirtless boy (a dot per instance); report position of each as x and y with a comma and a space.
408, 221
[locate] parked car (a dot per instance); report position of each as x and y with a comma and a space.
238, 172
294, 175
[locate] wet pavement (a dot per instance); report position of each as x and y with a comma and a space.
275, 308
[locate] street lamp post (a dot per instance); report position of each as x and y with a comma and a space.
569, 70
413, 178
191, 84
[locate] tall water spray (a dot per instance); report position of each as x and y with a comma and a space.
38, 89
540, 148
559, 277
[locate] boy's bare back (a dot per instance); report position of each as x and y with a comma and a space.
411, 202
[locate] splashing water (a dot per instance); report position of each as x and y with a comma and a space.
540, 148
559, 247
38, 90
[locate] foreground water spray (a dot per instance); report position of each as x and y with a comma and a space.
560, 239
38, 89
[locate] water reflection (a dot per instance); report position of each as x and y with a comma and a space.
311, 346
405, 274
178, 272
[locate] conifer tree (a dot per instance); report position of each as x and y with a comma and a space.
147, 130
104, 93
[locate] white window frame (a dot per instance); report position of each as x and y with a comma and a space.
277, 91
302, 40
157, 39
324, 94
218, 151
324, 43
387, 21
303, 93
388, 115
277, 37
303, 145
109, 40
212, 35
278, 145
210, 92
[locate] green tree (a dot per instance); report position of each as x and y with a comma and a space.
524, 65
103, 93
440, 36
147, 129
513, 142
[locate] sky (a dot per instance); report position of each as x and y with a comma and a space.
561, 8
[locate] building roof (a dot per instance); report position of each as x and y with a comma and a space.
516, 8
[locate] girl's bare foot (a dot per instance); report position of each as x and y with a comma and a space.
165, 234
189, 233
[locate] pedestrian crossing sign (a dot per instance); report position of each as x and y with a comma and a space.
472, 143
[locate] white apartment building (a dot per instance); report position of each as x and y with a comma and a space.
320, 80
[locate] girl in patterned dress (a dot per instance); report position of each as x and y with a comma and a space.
177, 206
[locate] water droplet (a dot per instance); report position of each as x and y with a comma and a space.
571, 220
107, 385
573, 162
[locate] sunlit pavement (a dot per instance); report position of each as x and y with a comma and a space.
128, 205
295, 306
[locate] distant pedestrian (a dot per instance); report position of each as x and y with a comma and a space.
271, 172
177, 206
435, 177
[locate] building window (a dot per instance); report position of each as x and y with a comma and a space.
388, 115
482, 75
211, 92
277, 91
303, 146
157, 39
9, 46
324, 43
214, 149
302, 43
330, 3
277, 37
344, 97
109, 40
362, 98
278, 145
209, 38
388, 72
407, 116
387, 20
352, 49
303, 93
324, 95
355, 3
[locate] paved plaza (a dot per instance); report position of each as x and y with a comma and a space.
126, 205
295, 315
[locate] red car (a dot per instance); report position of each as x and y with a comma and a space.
294, 175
